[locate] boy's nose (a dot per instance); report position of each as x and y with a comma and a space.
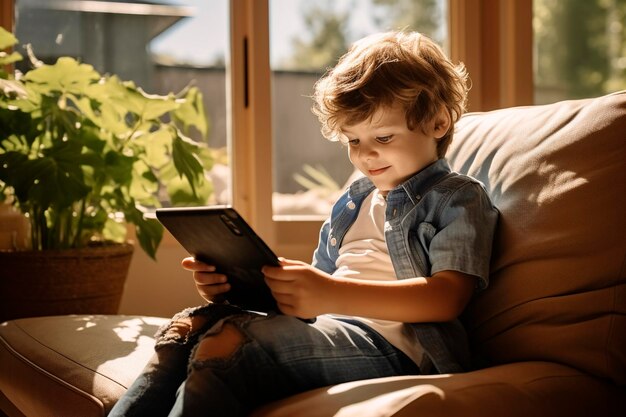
370, 151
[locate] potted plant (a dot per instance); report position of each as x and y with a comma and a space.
81, 156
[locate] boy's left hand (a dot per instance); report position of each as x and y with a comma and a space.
300, 289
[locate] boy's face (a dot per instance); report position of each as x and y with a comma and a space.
386, 151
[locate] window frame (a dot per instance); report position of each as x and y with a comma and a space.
492, 37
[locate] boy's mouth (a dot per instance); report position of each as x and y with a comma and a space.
378, 171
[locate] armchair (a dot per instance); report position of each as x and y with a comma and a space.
548, 336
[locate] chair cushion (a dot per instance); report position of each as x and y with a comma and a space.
558, 285
513, 390
73, 365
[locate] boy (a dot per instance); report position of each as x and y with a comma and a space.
399, 258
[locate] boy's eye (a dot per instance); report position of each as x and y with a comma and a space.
384, 139
353, 142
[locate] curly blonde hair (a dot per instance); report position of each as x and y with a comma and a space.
387, 68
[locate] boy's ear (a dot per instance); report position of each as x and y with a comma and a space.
441, 123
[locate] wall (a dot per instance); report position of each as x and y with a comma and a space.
159, 288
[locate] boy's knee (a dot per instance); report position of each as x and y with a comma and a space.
219, 345
181, 327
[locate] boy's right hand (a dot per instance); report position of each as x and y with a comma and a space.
208, 283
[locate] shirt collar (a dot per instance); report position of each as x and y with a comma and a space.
416, 186
360, 186
413, 188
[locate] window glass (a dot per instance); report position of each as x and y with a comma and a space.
580, 48
162, 46
307, 37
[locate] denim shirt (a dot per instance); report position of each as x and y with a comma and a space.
436, 220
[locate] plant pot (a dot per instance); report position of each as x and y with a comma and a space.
56, 282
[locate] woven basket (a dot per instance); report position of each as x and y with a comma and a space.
56, 282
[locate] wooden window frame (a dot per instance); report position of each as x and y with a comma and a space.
494, 38
6, 14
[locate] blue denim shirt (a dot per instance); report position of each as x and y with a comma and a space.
437, 220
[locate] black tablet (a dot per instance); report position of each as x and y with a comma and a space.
219, 236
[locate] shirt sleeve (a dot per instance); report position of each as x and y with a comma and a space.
464, 236
321, 258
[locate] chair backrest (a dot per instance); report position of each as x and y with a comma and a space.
557, 173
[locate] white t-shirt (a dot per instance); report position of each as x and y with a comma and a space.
364, 255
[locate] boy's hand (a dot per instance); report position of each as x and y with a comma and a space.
299, 289
208, 283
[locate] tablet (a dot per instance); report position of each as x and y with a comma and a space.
219, 236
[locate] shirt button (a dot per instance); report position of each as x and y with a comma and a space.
333, 242
418, 197
351, 205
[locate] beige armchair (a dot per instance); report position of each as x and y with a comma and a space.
548, 336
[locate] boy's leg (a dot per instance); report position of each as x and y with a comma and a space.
245, 361
153, 393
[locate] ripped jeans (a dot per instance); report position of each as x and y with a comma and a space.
220, 360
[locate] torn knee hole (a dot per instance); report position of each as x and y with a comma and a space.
219, 345
181, 327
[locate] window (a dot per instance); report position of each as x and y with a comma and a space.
244, 46
580, 48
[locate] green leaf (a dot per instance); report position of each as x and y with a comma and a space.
181, 193
157, 146
17, 130
84, 106
65, 174
147, 107
11, 143
66, 75
149, 231
6, 39
92, 165
113, 119
53, 178
157, 107
206, 157
185, 161
32, 102
6, 59
93, 222
106, 89
11, 162
12, 88
107, 101
114, 230
191, 112
47, 184
144, 185
92, 139
119, 167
